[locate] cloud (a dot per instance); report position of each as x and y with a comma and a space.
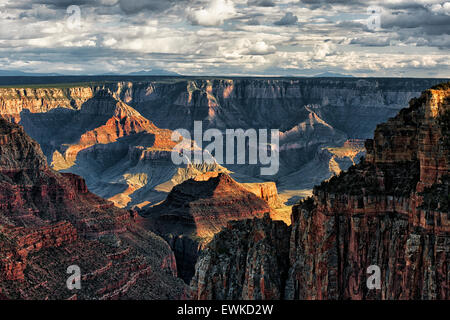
137, 6
261, 3
316, 4
260, 48
241, 38
214, 14
63, 4
321, 51
254, 22
288, 20
432, 22
372, 41
440, 8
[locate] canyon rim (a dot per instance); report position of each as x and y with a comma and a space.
225, 158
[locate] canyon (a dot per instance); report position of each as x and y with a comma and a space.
197, 209
49, 221
225, 229
390, 210
116, 134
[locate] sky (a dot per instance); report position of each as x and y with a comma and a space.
364, 38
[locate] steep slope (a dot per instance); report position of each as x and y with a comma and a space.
13, 101
68, 120
120, 121
391, 210
195, 210
246, 261
327, 162
123, 156
50, 221
132, 172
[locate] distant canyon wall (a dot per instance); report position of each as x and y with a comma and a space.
232, 103
390, 210
117, 134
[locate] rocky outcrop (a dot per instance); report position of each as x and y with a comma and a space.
120, 121
123, 156
390, 211
246, 261
266, 191
196, 210
38, 100
372, 215
50, 221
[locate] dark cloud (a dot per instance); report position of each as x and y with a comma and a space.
261, 3
288, 20
126, 6
64, 4
351, 25
424, 21
137, 6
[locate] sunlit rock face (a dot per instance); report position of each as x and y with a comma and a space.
95, 130
391, 210
197, 209
50, 221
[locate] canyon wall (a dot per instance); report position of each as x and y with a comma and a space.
246, 261
77, 125
197, 209
390, 210
50, 221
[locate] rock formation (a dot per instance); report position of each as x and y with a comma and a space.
50, 221
266, 191
195, 210
246, 261
390, 210
106, 132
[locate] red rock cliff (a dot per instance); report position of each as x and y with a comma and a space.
248, 260
50, 221
381, 212
391, 210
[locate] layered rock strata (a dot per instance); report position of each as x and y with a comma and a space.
389, 211
50, 221
83, 128
195, 210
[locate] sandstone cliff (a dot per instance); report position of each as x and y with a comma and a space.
50, 221
391, 210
